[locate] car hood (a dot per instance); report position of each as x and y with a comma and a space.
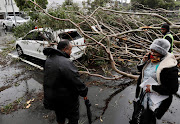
21, 21
51, 51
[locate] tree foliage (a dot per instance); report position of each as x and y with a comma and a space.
91, 5
166, 4
70, 5
23, 29
25, 5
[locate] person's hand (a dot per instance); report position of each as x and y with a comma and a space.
145, 57
148, 88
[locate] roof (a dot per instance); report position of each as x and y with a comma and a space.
59, 31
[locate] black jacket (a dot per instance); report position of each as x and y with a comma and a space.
61, 79
167, 76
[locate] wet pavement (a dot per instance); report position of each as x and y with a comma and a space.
111, 100
120, 109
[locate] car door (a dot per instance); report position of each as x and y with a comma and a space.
39, 43
26, 43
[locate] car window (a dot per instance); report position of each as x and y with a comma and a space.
29, 36
8, 18
41, 36
48, 36
38, 36
72, 35
33, 36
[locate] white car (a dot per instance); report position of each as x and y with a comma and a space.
9, 21
36, 40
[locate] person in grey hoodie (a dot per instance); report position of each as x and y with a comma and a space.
62, 85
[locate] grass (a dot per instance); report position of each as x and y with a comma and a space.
12, 106
30, 68
19, 100
7, 108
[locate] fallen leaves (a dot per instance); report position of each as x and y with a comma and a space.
28, 103
101, 119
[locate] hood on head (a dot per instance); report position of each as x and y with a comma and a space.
161, 46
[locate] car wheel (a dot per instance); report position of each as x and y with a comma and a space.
4, 26
19, 51
13, 26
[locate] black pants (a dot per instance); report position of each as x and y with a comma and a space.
72, 117
67, 110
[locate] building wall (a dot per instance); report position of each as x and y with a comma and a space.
9, 8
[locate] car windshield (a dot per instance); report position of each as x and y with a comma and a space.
71, 35
38, 35
17, 18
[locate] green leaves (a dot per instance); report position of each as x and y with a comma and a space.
26, 5
166, 4
23, 29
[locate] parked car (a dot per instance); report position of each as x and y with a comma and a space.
9, 21
36, 40
27, 18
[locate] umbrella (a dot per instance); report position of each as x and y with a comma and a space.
88, 105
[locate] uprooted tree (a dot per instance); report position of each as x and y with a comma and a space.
113, 37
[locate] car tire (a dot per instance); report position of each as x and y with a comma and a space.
13, 26
19, 50
4, 26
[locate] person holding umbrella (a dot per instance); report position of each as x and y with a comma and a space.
62, 85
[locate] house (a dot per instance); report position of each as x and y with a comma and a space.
7, 4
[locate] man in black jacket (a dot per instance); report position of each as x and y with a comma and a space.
62, 85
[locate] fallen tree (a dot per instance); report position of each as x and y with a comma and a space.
116, 37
